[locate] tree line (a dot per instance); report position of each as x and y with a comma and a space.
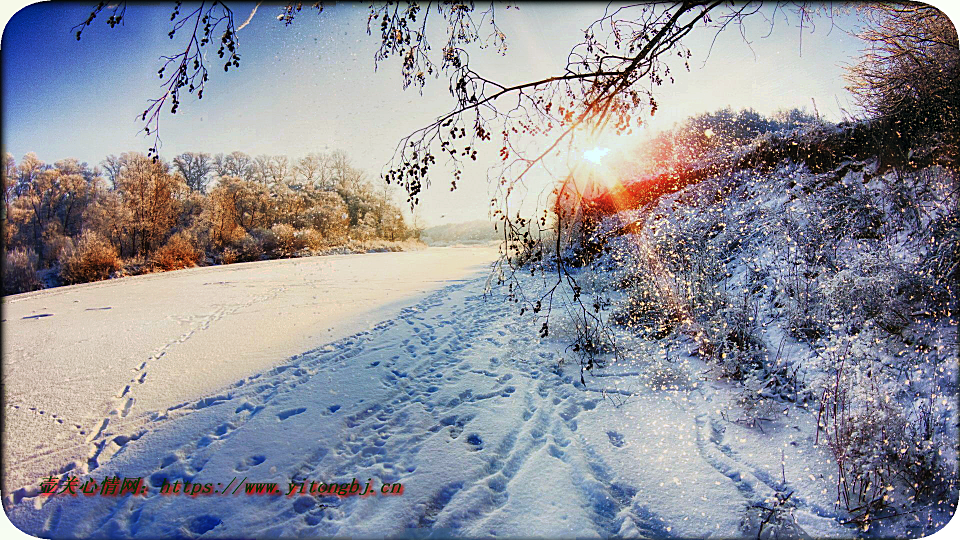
68, 222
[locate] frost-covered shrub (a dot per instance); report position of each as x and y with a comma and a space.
201, 239
231, 236
869, 291
644, 310
179, 252
54, 242
772, 519
364, 230
92, 259
20, 271
310, 239
675, 269
846, 211
940, 265
861, 427
730, 339
888, 453
799, 258
590, 341
230, 256
807, 316
265, 240
283, 240
250, 247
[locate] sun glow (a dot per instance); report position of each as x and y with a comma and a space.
596, 158
596, 154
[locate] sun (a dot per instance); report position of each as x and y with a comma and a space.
596, 154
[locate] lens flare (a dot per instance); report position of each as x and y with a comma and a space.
596, 154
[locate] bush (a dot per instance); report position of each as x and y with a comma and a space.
888, 455
732, 340
941, 266
646, 311
92, 259
20, 271
310, 239
250, 248
179, 252
229, 256
284, 240
54, 243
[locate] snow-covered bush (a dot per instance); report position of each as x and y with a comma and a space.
310, 239
282, 240
92, 259
644, 310
731, 338
888, 455
179, 252
20, 271
773, 519
846, 211
250, 247
939, 267
869, 290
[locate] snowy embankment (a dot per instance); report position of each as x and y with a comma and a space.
454, 397
810, 295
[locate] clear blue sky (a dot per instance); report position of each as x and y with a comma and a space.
312, 86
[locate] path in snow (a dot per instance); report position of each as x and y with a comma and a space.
460, 402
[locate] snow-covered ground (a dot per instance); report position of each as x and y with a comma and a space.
453, 396
78, 361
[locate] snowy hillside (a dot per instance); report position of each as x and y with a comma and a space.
825, 303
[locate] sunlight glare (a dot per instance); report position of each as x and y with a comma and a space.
596, 154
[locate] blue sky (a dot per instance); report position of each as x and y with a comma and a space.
312, 86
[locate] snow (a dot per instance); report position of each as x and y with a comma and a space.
425, 377
77, 358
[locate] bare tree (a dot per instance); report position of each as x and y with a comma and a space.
270, 169
236, 164
194, 167
607, 83
112, 165
911, 57
310, 169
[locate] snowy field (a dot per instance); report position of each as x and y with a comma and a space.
390, 368
80, 361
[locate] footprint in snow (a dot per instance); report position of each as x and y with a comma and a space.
616, 439
474, 440
249, 462
292, 412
